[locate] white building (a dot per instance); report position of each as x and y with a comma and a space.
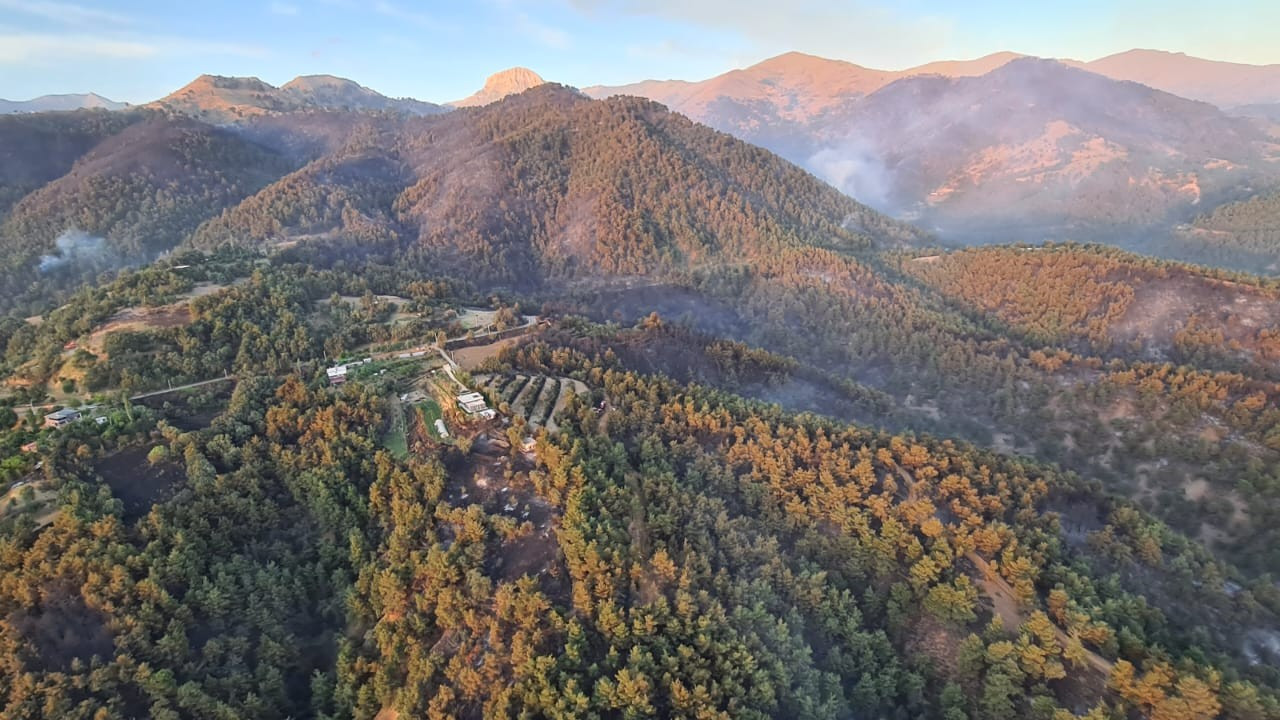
474, 404
337, 374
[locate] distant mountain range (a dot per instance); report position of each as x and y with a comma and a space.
809, 80
1004, 147
1000, 148
218, 99
1227, 85
60, 103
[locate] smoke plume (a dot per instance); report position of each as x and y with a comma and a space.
76, 249
855, 168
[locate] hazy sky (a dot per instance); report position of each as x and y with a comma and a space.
138, 50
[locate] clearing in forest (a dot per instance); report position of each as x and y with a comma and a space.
395, 439
527, 394
138, 319
42, 502
470, 358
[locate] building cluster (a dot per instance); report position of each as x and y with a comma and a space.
66, 416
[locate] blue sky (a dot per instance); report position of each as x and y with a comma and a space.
138, 50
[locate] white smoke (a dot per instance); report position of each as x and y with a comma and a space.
855, 168
76, 248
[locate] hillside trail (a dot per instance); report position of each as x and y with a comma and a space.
1004, 600
567, 385
1005, 604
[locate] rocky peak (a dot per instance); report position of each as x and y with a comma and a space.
501, 84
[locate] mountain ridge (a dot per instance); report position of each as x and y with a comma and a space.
455, 190
1226, 84
840, 79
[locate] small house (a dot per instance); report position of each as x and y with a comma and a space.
61, 417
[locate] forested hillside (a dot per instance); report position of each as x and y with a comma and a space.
672, 551
1254, 222
143, 189
549, 184
753, 564
136, 194
36, 149
1177, 410
1116, 303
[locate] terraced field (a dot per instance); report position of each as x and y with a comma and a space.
539, 399
512, 388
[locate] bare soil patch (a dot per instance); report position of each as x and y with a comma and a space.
43, 503
138, 319
526, 396
472, 318
470, 358
1005, 606
1121, 409
567, 386
1212, 433
1196, 489
937, 642
543, 406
